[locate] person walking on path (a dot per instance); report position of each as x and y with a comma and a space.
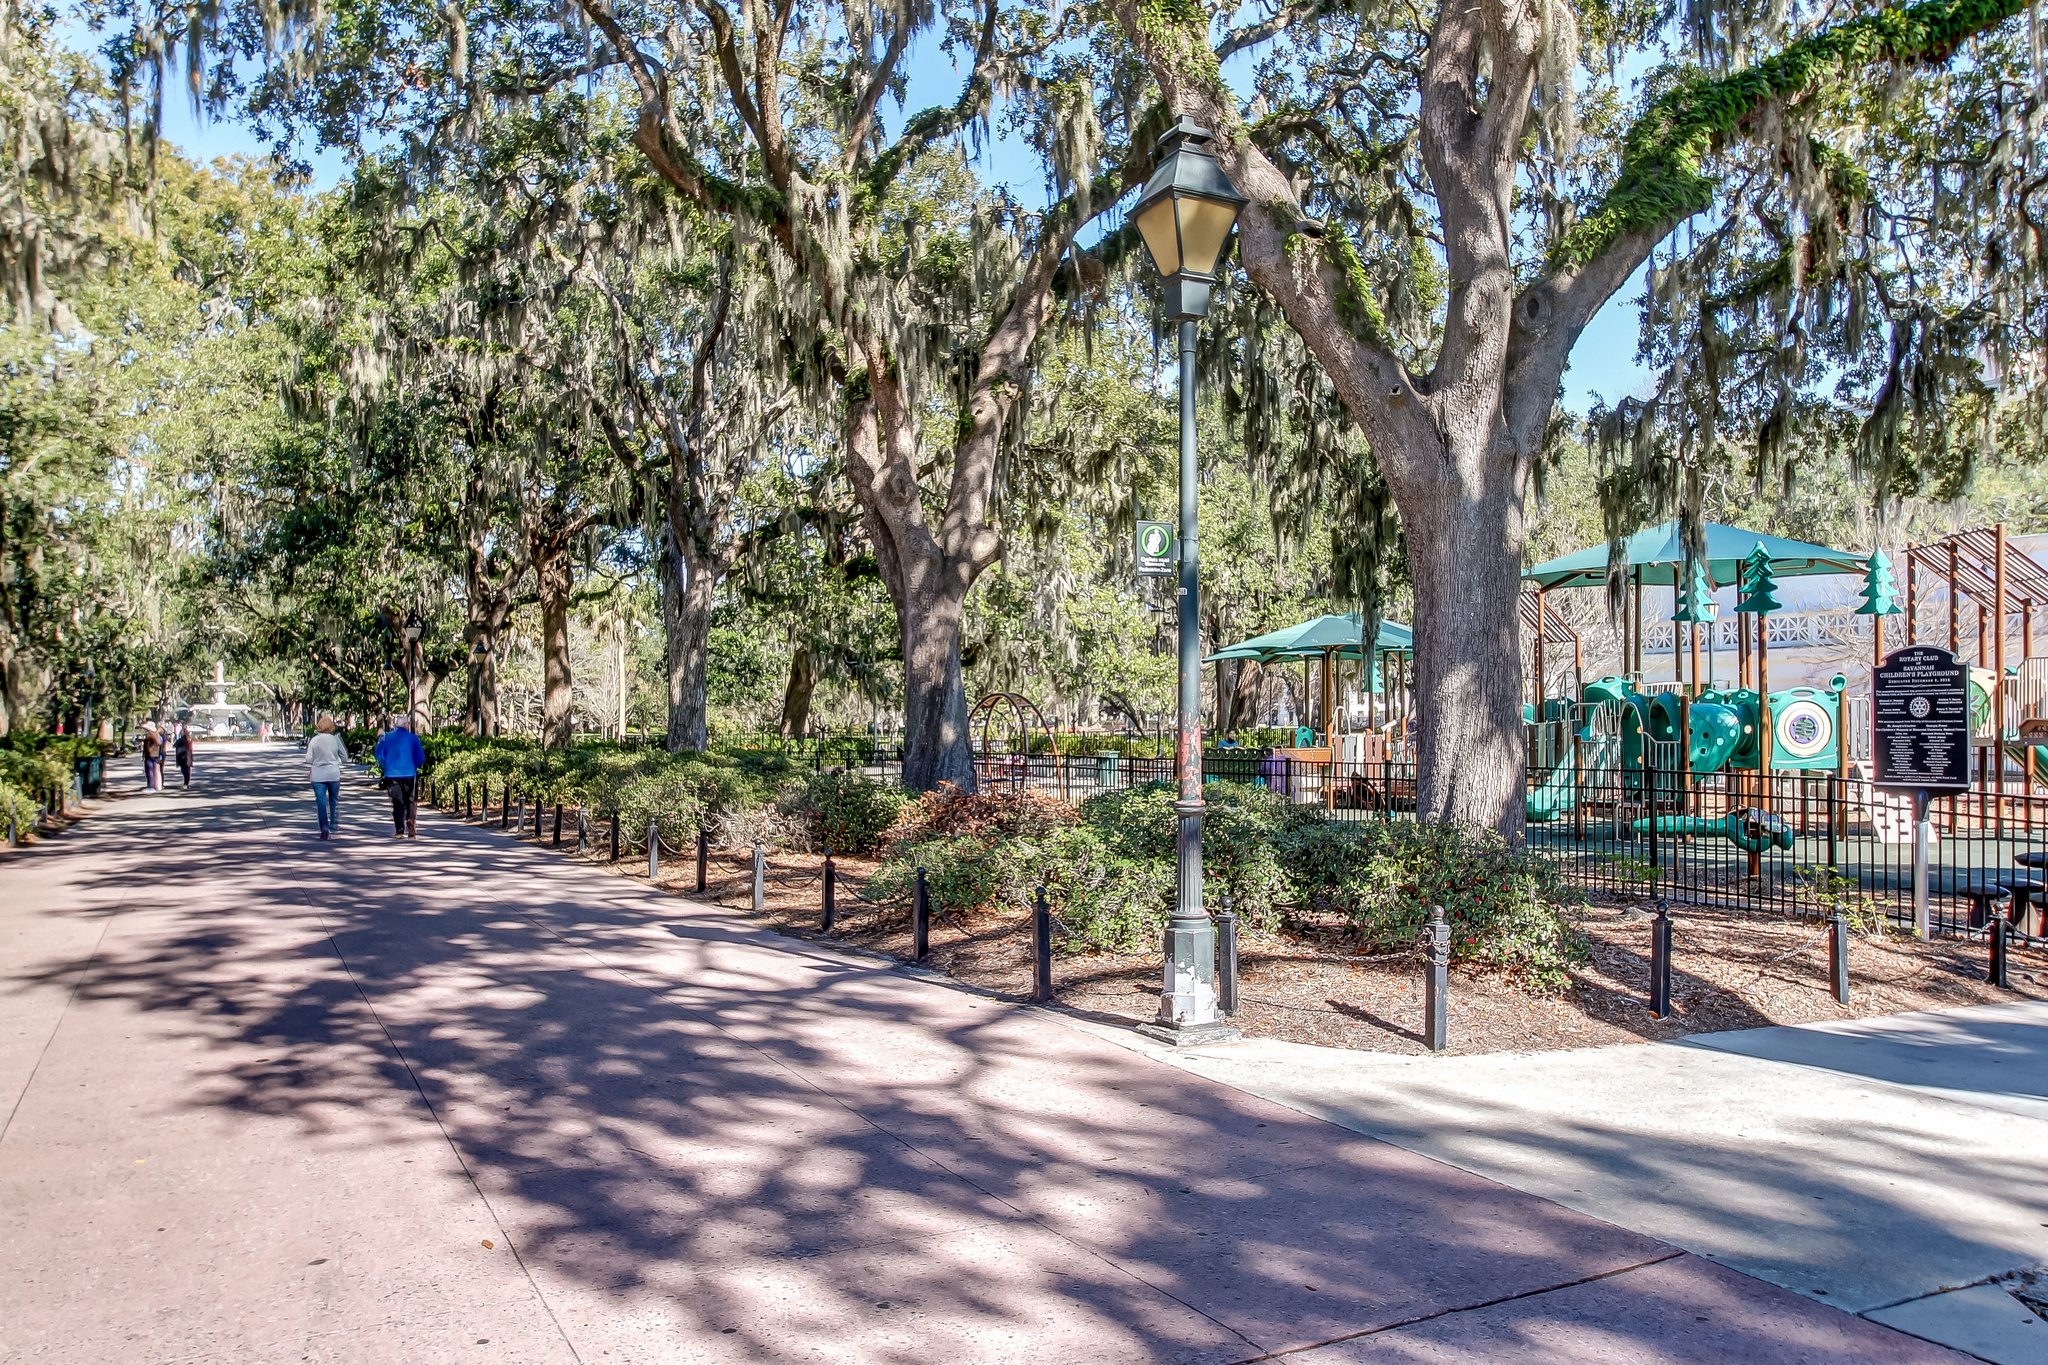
181, 750
325, 753
399, 756
152, 757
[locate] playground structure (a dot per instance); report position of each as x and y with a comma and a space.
1686, 759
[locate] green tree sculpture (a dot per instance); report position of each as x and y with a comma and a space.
1759, 584
1880, 588
1696, 603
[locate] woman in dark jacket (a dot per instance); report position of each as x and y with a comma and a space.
181, 750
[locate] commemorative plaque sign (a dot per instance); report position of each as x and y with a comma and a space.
1920, 718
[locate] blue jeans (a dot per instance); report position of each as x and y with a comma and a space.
152, 774
326, 804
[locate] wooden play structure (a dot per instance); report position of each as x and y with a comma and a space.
1991, 592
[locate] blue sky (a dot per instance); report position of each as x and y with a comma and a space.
1603, 363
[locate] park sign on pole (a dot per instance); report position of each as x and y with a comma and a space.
1920, 716
1156, 550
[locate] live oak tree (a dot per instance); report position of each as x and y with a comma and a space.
906, 292
1442, 199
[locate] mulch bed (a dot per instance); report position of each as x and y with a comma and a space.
1308, 985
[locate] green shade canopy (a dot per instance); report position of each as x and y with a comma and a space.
1331, 635
1658, 555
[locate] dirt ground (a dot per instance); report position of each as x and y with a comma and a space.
1729, 971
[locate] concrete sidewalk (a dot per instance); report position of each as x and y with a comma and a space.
263, 1098
1877, 1165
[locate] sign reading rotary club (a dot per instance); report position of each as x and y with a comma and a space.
1920, 716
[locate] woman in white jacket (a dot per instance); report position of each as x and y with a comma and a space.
325, 754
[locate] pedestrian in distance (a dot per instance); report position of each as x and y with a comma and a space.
181, 750
152, 757
400, 755
325, 753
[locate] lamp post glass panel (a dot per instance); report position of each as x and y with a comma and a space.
1185, 215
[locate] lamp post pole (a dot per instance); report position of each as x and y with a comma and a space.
1189, 1010
1185, 213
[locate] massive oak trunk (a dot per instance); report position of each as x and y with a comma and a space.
687, 586
935, 745
1465, 557
552, 576
927, 581
481, 704
796, 697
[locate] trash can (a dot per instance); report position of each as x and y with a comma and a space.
91, 772
1106, 764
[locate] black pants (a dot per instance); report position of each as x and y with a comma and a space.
185, 767
403, 810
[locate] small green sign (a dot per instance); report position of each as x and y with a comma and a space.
1157, 553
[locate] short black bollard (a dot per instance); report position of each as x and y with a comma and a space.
615, 836
831, 894
539, 808
1226, 957
653, 850
465, 798
1660, 963
1041, 948
921, 920
1998, 929
505, 807
1436, 1023
760, 878
1838, 956
703, 858
582, 831
558, 824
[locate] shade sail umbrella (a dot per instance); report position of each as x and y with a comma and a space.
1326, 638
1657, 557
1333, 635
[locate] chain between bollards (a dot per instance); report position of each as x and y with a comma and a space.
1838, 956
703, 858
1041, 947
1998, 929
1226, 957
760, 878
831, 893
921, 920
1660, 963
1436, 1021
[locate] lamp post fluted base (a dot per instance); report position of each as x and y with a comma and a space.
1190, 1035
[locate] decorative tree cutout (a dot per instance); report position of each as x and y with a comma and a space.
1759, 584
1696, 603
1880, 588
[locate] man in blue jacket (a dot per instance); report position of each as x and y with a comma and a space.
399, 757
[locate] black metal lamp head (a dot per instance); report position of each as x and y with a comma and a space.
1185, 214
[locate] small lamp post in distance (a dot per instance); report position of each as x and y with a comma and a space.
1185, 215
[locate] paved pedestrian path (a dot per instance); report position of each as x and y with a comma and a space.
268, 1099
1879, 1165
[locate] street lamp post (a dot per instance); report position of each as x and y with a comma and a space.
1185, 215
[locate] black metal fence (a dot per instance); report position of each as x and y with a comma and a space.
1789, 843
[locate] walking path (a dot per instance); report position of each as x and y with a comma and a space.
267, 1099
1879, 1165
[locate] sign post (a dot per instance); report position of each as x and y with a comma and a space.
1157, 553
1920, 741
